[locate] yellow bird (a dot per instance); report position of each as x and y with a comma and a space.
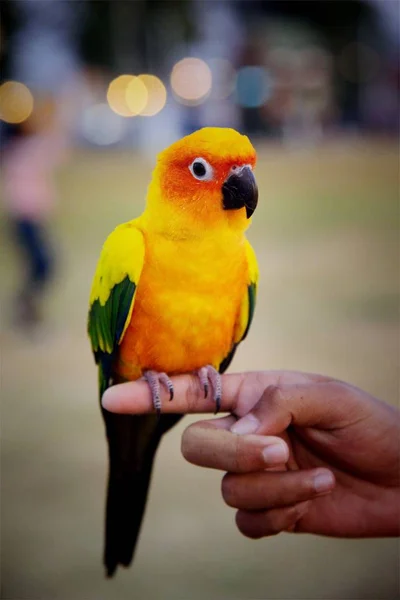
174, 292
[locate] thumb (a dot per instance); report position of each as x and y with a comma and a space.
325, 405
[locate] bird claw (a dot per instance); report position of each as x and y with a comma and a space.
168, 384
154, 380
206, 374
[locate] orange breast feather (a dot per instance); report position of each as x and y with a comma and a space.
187, 304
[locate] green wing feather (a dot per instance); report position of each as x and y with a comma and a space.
113, 295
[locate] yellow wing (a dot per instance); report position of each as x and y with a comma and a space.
247, 307
112, 295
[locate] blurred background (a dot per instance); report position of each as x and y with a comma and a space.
90, 92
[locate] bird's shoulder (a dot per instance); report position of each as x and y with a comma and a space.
121, 257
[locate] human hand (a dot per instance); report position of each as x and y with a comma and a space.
304, 453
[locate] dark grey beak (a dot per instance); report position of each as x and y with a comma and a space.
240, 190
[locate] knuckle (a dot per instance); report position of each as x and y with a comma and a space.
273, 396
340, 392
229, 489
294, 514
248, 526
251, 533
237, 454
187, 445
192, 393
291, 514
243, 455
272, 523
338, 388
184, 444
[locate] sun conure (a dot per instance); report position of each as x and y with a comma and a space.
174, 292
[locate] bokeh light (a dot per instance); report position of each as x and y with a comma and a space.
223, 78
136, 96
16, 102
253, 87
116, 95
131, 95
191, 81
156, 95
102, 126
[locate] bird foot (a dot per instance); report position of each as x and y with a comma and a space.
206, 374
155, 380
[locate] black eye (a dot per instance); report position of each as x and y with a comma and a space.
199, 169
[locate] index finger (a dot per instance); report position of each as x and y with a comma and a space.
240, 392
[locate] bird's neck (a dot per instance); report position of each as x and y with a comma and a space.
176, 221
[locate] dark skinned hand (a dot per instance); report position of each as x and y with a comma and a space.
302, 452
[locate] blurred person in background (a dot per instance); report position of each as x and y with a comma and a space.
41, 62
29, 194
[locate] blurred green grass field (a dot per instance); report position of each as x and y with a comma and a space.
326, 234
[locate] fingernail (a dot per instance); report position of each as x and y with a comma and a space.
275, 454
249, 424
323, 482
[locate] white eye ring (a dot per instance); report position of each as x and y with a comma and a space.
201, 169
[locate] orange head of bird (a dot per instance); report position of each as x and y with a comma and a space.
207, 178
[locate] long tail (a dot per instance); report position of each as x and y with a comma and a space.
133, 441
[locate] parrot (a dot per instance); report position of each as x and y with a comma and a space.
174, 292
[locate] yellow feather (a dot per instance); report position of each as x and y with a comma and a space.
253, 275
122, 255
220, 143
252, 263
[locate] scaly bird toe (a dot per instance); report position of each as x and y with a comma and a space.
154, 380
202, 374
206, 374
